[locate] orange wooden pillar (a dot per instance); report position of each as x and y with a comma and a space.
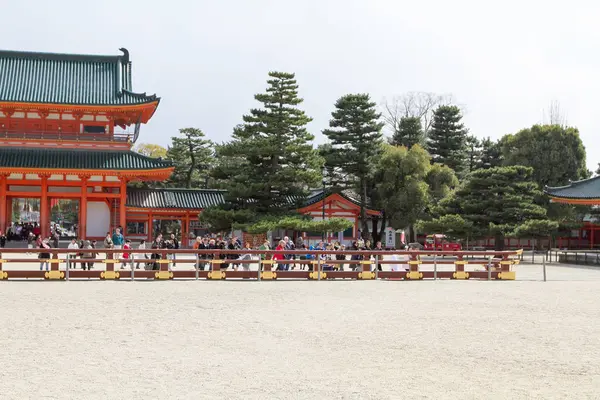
123, 201
150, 227
185, 226
3, 208
44, 208
83, 209
9, 206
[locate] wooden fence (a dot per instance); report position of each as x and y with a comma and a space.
236, 264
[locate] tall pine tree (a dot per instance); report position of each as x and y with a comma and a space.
408, 133
491, 154
269, 165
447, 139
473, 153
192, 155
354, 142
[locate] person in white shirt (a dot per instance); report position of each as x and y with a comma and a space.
140, 256
72, 246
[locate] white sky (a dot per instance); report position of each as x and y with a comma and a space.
505, 62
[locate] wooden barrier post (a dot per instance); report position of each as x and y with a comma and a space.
413, 268
316, 269
55, 273
267, 272
110, 272
366, 272
544, 266
3, 274
434, 267
215, 270
163, 268
505, 272
459, 268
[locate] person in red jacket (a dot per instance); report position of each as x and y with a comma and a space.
280, 256
127, 259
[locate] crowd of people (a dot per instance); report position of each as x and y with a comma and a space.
88, 250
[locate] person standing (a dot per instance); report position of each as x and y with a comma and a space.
44, 256
378, 247
55, 237
118, 241
71, 256
2, 240
142, 246
280, 256
127, 259
30, 241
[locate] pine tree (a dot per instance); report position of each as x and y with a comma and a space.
408, 133
192, 156
447, 139
497, 201
491, 154
354, 142
473, 153
269, 165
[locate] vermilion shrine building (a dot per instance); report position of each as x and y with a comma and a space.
585, 192
67, 126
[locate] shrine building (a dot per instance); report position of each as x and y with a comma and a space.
584, 192
67, 126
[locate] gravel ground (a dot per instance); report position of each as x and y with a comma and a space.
525, 339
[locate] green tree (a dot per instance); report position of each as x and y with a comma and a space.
269, 165
441, 180
151, 150
354, 143
452, 225
491, 154
447, 139
496, 201
536, 229
473, 153
408, 184
401, 184
408, 133
192, 156
555, 153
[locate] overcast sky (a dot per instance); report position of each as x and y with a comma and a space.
504, 62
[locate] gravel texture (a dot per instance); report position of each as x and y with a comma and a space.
525, 339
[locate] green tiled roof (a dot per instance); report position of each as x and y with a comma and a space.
194, 199
585, 189
68, 79
198, 199
77, 159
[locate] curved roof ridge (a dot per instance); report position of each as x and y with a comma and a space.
63, 56
574, 183
151, 97
180, 190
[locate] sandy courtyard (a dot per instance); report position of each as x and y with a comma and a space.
303, 340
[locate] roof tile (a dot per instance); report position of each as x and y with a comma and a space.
77, 159
67, 79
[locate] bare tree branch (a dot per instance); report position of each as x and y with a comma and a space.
413, 104
554, 114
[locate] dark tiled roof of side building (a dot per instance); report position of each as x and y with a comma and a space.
585, 189
11, 157
30, 77
197, 199
191, 199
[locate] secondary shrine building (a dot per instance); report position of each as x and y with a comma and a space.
67, 126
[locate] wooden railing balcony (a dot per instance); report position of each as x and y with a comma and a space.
120, 137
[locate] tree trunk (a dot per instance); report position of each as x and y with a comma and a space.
363, 211
499, 242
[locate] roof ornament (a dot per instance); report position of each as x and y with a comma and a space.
125, 54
